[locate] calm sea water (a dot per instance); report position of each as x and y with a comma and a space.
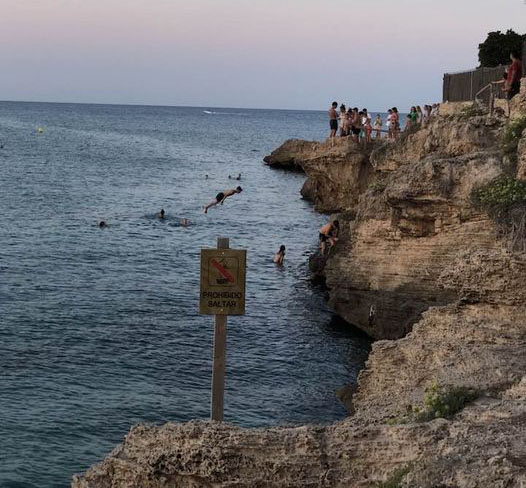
99, 329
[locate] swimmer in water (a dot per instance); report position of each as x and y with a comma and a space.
280, 256
185, 222
238, 177
222, 196
102, 224
161, 214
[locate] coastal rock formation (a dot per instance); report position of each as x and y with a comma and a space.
331, 190
419, 267
482, 446
408, 215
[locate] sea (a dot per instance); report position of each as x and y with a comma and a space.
99, 327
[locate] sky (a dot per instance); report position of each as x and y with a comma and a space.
295, 54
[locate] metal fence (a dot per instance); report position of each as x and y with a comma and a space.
463, 86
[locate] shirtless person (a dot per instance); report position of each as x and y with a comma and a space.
333, 119
356, 126
222, 196
329, 235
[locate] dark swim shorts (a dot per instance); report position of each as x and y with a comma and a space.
220, 196
323, 237
334, 124
515, 88
356, 131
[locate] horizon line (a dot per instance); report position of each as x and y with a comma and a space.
171, 106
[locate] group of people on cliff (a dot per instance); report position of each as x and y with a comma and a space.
358, 124
418, 117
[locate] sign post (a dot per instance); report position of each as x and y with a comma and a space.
223, 272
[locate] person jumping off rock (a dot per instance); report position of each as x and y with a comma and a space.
222, 196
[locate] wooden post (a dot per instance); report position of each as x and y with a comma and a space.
218, 368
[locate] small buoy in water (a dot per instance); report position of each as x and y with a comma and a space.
40, 130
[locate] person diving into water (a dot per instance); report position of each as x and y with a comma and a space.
222, 196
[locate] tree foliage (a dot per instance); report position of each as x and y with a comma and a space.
496, 49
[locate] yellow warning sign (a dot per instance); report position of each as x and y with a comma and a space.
223, 274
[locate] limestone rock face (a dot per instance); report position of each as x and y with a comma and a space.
521, 158
418, 268
409, 212
338, 170
483, 446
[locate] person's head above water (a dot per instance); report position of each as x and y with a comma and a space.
282, 248
239, 189
102, 224
161, 213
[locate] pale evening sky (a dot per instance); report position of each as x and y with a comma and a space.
298, 54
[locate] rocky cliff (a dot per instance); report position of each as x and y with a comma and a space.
428, 271
407, 213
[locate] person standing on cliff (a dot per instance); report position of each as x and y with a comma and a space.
333, 120
356, 124
378, 126
513, 82
389, 123
343, 118
395, 122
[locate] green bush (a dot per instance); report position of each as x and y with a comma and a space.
504, 200
499, 195
511, 135
472, 110
444, 402
378, 186
395, 480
